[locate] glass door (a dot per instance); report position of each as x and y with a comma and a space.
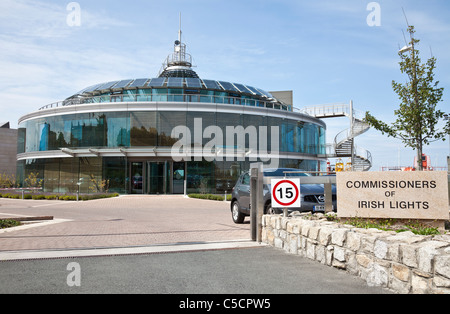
158, 179
136, 177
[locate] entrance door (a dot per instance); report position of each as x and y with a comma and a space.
158, 179
137, 169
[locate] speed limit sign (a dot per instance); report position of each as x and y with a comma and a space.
285, 193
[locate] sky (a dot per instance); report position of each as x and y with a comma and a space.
325, 51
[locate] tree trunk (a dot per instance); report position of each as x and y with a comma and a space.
419, 158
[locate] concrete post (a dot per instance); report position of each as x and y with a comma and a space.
328, 198
256, 201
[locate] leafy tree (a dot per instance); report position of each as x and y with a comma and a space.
417, 117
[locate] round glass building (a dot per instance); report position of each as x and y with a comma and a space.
174, 134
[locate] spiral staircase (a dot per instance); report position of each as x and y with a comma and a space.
344, 142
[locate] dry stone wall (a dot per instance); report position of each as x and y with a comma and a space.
403, 262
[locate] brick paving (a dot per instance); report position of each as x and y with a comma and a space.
125, 221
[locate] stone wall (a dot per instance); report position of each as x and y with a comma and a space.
402, 262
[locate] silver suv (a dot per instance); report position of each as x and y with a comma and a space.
312, 195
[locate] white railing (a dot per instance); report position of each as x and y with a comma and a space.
168, 98
326, 110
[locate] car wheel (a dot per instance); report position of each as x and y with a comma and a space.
268, 210
236, 214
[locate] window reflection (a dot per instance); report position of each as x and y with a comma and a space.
139, 129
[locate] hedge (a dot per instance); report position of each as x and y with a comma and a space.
212, 197
58, 197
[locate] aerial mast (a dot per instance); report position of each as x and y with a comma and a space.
180, 62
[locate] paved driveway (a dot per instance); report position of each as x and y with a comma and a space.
199, 233
120, 222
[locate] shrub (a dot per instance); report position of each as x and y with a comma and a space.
212, 197
87, 197
38, 197
8, 224
68, 198
10, 195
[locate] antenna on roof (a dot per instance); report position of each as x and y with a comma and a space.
179, 32
179, 63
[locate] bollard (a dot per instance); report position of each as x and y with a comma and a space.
328, 198
256, 201
253, 201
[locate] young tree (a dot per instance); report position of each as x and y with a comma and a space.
417, 117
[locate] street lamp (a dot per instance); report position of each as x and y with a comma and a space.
405, 49
80, 181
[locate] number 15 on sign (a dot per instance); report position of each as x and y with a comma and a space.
285, 193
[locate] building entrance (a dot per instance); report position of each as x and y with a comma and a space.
157, 177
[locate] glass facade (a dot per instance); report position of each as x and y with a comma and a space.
135, 118
183, 95
119, 174
154, 128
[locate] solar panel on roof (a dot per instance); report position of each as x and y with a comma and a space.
257, 92
157, 82
107, 85
242, 88
268, 95
211, 84
123, 83
92, 88
193, 82
139, 83
228, 86
175, 82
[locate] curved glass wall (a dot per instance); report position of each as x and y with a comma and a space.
112, 174
154, 128
174, 95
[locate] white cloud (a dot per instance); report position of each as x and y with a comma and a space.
42, 61
39, 19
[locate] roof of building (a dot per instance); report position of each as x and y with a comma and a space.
173, 82
4, 125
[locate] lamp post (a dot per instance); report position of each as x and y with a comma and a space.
80, 181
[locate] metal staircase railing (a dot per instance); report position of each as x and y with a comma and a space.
344, 142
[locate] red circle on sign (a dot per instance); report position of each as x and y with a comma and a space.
296, 195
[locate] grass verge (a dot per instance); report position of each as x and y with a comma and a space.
415, 226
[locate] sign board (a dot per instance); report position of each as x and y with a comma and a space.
402, 195
285, 193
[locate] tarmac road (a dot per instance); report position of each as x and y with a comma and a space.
260, 270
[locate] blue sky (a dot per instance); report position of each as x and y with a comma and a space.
323, 50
